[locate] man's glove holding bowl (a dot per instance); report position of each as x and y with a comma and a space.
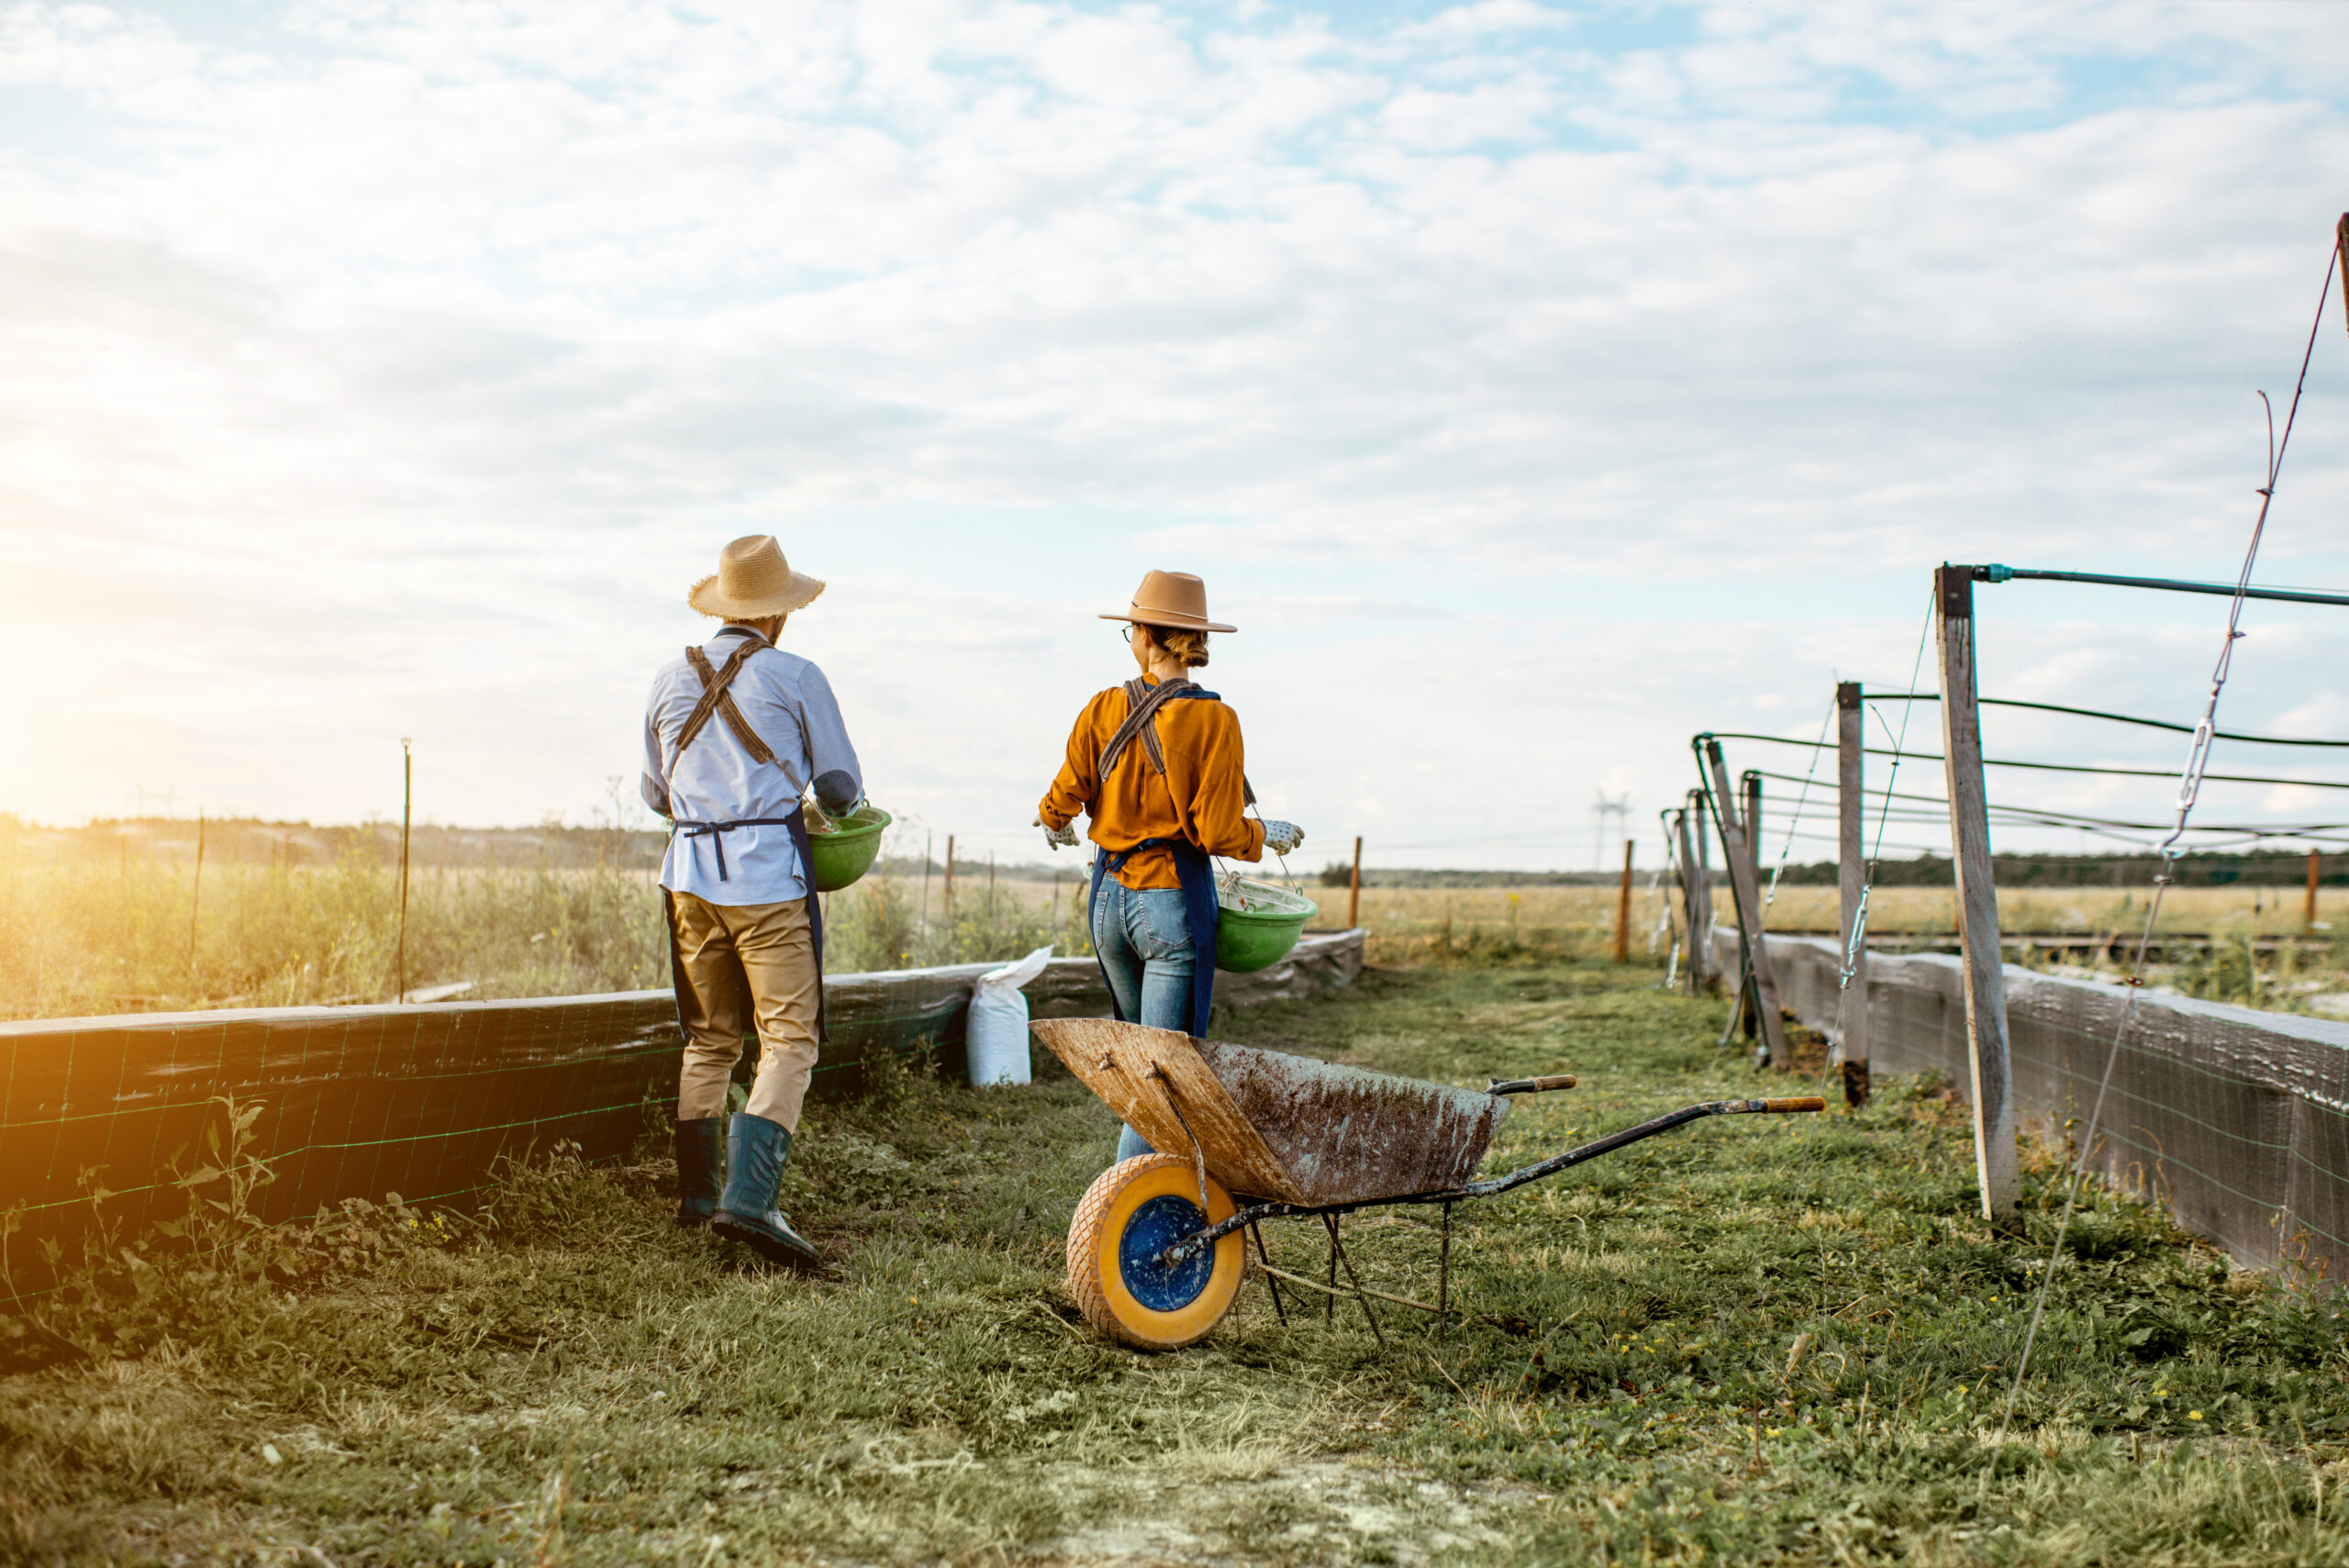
1282, 838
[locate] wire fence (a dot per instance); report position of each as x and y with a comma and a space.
2234, 1120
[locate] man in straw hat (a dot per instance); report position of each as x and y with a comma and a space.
734, 732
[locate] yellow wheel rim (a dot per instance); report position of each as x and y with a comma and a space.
1130, 1213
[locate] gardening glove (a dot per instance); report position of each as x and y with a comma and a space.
1061, 838
1282, 837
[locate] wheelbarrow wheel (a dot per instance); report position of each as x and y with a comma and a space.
1131, 1213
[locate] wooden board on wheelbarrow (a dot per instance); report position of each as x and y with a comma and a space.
1281, 1126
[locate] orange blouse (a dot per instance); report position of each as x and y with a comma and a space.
1201, 797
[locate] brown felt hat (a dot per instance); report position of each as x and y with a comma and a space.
1175, 599
754, 581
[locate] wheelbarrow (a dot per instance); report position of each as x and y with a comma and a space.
1155, 1254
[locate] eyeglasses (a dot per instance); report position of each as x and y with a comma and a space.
1126, 632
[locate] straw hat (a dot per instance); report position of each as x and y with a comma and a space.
1173, 599
754, 581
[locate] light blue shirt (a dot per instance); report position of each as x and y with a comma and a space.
789, 705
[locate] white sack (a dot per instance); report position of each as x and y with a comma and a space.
996, 1034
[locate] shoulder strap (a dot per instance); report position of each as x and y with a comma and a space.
1143, 705
716, 699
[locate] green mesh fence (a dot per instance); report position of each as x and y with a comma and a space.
2236, 1121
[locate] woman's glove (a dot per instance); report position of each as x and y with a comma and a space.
1063, 837
1282, 837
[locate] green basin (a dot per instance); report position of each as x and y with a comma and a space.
1258, 923
847, 853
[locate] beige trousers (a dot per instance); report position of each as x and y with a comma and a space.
717, 946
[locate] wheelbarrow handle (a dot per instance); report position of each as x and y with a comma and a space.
1798, 1103
1531, 1085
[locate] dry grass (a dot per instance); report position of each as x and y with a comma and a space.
576, 1381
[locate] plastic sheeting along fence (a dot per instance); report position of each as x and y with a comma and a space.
423, 1100
2236, 1121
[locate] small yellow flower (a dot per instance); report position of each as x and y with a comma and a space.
2194, 1415
1769, 1431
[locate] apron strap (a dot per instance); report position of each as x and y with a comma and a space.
717, 700
1143, 705
1146, 701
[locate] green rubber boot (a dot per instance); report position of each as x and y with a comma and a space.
697, 1173
755, 1151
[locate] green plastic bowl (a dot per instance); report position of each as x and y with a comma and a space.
847, 853
1257, 926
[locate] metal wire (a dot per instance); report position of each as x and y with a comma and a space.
1771, 895
2190, 788
1857, 940
2054, 767
2100, 713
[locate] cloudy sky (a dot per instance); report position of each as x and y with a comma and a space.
1534, 385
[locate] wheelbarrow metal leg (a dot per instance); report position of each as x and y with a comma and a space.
1264, 1256
1330, 1302
1337, 1255
1443, 1278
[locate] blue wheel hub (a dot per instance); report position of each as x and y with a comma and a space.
1156, 1226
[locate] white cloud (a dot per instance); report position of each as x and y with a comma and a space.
364, 355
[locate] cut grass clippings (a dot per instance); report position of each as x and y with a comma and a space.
1758, 1339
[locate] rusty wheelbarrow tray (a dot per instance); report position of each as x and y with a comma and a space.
1283, 1136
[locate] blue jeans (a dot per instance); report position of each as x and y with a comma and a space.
1144, 939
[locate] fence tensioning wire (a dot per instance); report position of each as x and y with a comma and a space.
2046, 767
2189, 789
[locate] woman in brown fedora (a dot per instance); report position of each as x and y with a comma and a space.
1157, 763
734, 732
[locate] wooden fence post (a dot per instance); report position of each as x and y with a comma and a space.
2307, 915
1852, 876
946, 894
1692, 900
1750, 787
1977, 896
1623, 909
1747, 891
1353, 889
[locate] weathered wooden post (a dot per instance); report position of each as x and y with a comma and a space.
1749, 785
1977, 896
1747, 889
1707, 957
1623, 909
1353, 889
947, 897
1692, 900
2307, 915
1852, 880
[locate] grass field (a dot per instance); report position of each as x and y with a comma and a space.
129, 935
1759, 1340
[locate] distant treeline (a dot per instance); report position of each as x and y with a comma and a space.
2255, 868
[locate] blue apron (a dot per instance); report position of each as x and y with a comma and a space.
1201, 912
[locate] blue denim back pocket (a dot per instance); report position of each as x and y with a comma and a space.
1164, 927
